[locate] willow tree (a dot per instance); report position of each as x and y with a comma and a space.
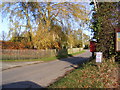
39, 17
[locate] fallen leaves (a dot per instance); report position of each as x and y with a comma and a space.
90, 77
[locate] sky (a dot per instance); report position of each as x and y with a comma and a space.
119, 35
4, 24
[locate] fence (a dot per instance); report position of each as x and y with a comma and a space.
35, 54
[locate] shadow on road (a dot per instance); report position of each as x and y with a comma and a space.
22, 85
75, 60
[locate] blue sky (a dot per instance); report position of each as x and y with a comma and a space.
119, 35
4, 25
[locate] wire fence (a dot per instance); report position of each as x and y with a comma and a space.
10, 54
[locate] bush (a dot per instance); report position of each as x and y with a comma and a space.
16, 45
86, 47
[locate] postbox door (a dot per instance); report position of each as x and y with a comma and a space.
92, 46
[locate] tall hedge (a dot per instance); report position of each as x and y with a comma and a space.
105, 21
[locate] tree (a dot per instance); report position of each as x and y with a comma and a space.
40, 17
3, 36
105, 20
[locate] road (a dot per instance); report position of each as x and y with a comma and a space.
12, 64
41, 74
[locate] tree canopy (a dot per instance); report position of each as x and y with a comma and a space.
44, 23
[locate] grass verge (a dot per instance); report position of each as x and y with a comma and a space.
91, 76
49, 58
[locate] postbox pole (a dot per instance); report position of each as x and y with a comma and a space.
93, 54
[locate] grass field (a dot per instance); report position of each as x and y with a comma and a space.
49, 58
91, 76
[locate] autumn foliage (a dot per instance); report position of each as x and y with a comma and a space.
46, 25
15, 45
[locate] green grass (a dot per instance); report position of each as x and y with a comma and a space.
42, 59
49, 58
77, 53
90, 76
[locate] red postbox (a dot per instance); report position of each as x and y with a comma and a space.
92, 46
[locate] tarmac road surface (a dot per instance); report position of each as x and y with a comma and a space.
41, 74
